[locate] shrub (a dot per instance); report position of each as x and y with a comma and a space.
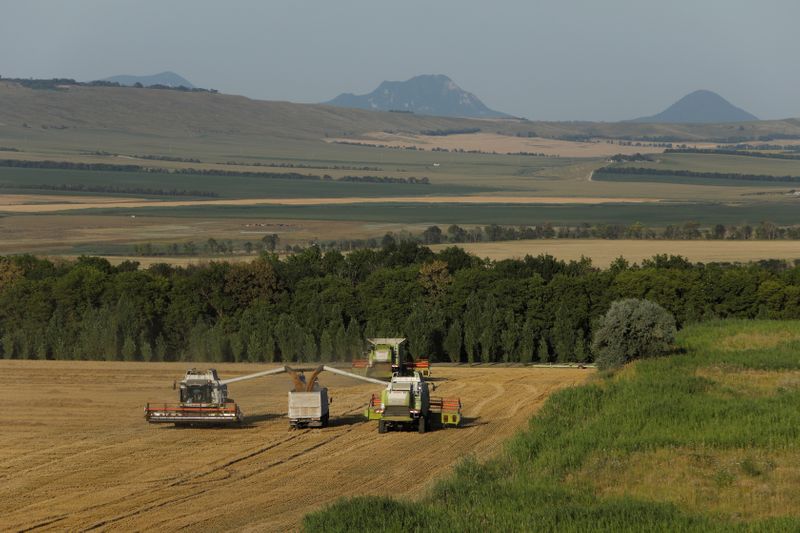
630, 329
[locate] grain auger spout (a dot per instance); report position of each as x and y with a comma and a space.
309, 402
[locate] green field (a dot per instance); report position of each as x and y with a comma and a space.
705, 440
733, 164
651, 214
222, 186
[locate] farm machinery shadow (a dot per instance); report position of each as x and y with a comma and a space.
469, 422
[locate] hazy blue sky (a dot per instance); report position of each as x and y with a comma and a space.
554, 60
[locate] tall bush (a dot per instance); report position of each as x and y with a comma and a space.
630, 329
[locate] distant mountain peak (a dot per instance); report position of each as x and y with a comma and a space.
699, 107
168, 78
427, 94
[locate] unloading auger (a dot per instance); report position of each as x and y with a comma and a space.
204, 400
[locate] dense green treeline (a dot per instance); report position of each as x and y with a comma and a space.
729, 151
314, 305
116, 167
108, 189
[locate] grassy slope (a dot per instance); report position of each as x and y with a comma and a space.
726, 452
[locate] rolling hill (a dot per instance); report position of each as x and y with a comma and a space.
430, 94
700, 107
168, 78
124, 119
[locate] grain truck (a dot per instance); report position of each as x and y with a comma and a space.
308, 402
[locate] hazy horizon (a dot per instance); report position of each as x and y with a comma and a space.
586, 61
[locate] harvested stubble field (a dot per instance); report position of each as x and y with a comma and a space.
76, 453
10, 203
77, 234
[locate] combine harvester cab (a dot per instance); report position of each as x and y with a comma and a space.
406, 402
203, 402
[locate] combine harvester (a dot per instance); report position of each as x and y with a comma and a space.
407, 403
204, 399
387, 357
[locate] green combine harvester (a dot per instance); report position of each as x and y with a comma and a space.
386, 357
406, 403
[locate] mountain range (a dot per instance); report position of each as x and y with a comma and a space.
429, 94
168, 78
700, 107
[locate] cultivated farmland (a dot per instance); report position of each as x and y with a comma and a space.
77, 453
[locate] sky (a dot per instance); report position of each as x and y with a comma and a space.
544, 60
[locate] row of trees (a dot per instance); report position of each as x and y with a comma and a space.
268, 243
729, 151
320, 306
115, 167
491, 233
641, 171
687, 231
54, 84
108, 189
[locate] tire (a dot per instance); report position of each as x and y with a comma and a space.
324, 420
423, 422
381, 426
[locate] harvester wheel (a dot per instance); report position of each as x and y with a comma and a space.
324, 420
423, 422
381, 426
